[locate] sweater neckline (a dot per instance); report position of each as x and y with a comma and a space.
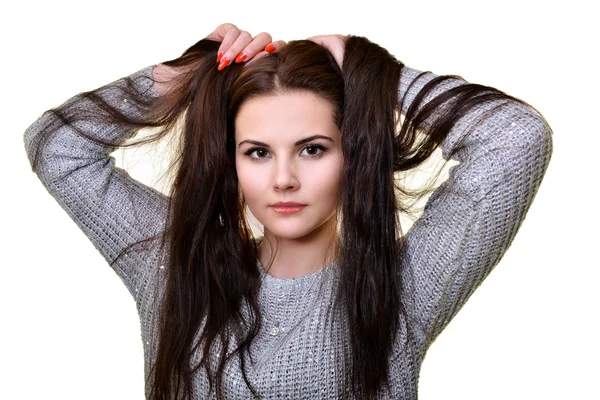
291, 282
298, 280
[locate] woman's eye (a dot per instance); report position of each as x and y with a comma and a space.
257, 153
314, 150
261, 153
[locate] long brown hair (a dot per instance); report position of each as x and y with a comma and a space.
212, 268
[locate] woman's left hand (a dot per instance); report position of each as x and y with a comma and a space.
334, 43
240, 46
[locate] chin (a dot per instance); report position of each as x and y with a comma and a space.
289, 233
295, 230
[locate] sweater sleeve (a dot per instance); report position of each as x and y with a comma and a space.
110, 207
471, 219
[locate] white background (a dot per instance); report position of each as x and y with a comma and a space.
69, 328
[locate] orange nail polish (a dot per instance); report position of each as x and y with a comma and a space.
219, 56
224, 62
270, 48
241, 57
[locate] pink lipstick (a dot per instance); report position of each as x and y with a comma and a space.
287, 207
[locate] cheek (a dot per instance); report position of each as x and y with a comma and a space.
328, 181
250, 186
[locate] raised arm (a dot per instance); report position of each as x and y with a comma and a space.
109, 206
114, 210
471, 219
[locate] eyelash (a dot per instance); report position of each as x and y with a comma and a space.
258, 159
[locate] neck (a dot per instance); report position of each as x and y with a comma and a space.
292, 258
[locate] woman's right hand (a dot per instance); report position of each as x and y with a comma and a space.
236, 44
240, 46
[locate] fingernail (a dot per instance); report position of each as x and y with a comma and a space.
241, 57
225, 62
219, 56
270, 48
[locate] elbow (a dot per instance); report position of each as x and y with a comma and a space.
40, 145
545, 138
539, 138
32, 140
532, 139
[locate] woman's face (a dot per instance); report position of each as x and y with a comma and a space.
288, 149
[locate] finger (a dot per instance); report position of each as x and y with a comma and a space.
231, 52
317, 39
258, 57
335, 44
275, 46
219, 33
278, 45
229, 38
253, 48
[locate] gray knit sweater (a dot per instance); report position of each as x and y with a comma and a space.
467, 225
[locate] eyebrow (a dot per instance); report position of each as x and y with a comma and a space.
298, 143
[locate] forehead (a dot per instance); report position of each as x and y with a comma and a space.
285, 115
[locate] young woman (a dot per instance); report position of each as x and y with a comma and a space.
334, 300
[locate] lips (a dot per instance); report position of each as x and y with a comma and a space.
287, 207
288, 204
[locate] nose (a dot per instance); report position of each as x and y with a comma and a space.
285, 176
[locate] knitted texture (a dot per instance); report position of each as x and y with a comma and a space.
467, 225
